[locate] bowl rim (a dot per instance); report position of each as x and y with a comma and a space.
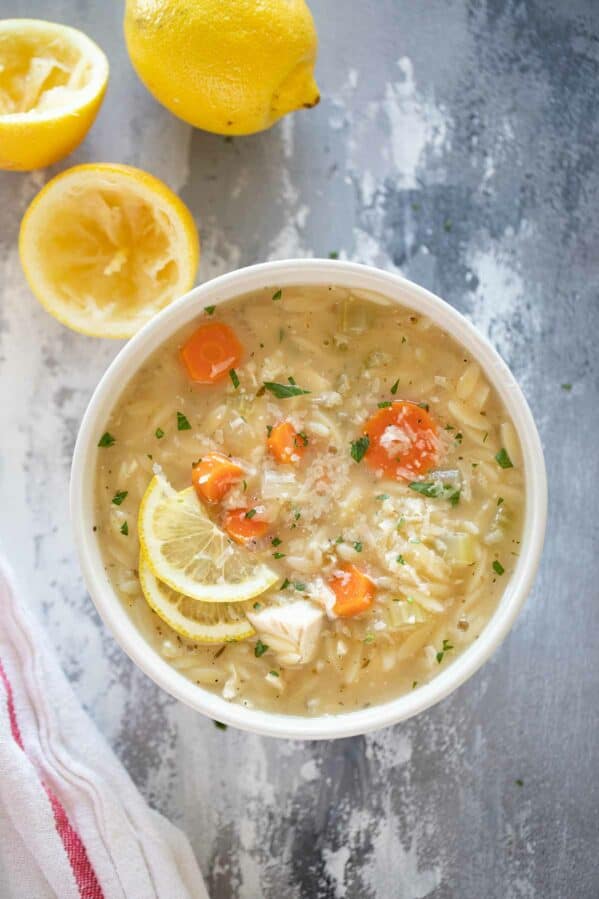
281, 274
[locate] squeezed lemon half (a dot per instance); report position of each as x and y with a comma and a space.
185, 550
52, 82
104, 247
204, 622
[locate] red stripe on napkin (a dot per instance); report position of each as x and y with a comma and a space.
84, 874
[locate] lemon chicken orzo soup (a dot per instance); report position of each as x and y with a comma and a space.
310, 500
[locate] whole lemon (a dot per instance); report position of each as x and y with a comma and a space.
227, 66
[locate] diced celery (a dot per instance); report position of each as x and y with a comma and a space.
355, 316
461, 548
401, 613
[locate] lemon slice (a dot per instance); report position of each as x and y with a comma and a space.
52, 82
190, 554
104, 247
205, 622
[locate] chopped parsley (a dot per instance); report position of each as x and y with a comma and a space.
286, 583
498, 567
564, 387
106, 439
220, 725
119, 496
158, 433
382, 497
359, 447
250, 513
301, 588
384, 405
414, 684
209, 309
394, 387
333, 254
260, 648
503, 460
500, 500
423, 406
519, 782
447, 647
257, 605
278, 555
234, 378
447, 225
274, 673
486, 434
277, 294
400, 560
302, 437
459, 437
182, 422
276, 541
369, 638
437, 490
125, 529
297, 515
245, 485
358, 546
284, 391
268, 430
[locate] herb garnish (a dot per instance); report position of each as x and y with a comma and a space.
260, 648
333, 254
302, 437
301, 588
286, 583
234, 378
220, 725
106, 439
268, 430
359, 447
209, 309
274, 673
459, 437
159, 433
437, 490
382, 496
498, 567
384, 405
119, 496
423, 406
276, 541
257, 605
358, 546
277, 294
284, 391
503, 459
566, 387
278, 555
182, 422
394, 387
447, 647
400, 560
499, 500
125, 529
369, 638
250, 513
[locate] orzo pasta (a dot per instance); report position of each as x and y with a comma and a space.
332, 500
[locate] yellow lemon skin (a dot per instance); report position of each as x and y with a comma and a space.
104, 247
52, 83
232, 67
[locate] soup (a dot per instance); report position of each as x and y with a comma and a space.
331, 500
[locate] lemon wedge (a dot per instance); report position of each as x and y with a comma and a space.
52, 82
204, 622
186, 551
104, 247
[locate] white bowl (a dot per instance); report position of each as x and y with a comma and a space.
176, 316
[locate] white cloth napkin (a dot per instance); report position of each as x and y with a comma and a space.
72, 823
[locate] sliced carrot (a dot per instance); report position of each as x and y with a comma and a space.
354, 591
213, 475
242, 526
285, 443
402, 441
211, 352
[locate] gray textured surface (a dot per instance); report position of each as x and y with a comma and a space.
457, 142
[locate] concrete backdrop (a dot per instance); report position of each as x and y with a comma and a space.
457, 141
